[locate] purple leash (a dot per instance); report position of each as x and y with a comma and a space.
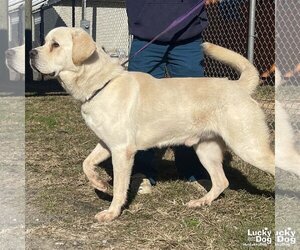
171, 26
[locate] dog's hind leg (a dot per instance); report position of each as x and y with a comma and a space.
98, 155
288, 161
210, 153
249, 139
257, 155
122, 166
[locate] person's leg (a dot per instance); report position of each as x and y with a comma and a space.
152, 61
186, 60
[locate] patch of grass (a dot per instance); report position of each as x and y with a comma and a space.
47, 121
191, 222
264, 92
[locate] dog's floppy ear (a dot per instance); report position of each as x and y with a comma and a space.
83, 46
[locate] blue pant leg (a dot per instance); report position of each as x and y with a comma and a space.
186, 60
152, 61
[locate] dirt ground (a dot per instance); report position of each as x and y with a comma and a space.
60, 205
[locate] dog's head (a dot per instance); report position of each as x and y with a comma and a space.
15, 59
64, 49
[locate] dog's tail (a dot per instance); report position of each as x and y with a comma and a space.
249, 74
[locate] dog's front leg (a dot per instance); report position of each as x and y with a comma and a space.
122, 165
98, 155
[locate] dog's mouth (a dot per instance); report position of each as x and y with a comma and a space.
11, 66
51, 74
9, 63
36, 69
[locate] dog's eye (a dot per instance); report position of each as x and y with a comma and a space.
55, 45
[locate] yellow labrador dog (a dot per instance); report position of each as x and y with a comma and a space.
15, 59
132, 111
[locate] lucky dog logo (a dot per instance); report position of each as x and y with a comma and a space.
259, 237
285, 237
263, 237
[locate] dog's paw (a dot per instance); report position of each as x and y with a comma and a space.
106, 216
199, 202
100, 185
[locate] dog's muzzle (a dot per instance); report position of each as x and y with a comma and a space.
33, 54
9, 53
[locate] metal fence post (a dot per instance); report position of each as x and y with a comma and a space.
251, 30
3, 38
28, 40
21, 25
73, 12
85, 24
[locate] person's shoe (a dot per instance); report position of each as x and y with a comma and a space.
145, 187
141, 184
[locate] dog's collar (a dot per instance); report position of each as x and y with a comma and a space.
96, 92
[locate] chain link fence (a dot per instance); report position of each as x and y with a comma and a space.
288, 59
228, 27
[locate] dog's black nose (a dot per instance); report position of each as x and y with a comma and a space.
33, 53
10, 52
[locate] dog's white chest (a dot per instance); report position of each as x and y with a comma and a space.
88, 118
94, 120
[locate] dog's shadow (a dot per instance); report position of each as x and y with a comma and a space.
166, 171
287, 193
107, 166
103, 196
239, 181
286, 185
